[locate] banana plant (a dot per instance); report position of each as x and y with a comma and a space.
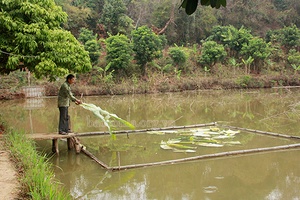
247, 64
105, 116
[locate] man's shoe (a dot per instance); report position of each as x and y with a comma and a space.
62, 133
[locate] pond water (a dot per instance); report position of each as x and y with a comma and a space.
272, 175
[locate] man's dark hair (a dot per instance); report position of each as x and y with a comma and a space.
70, 76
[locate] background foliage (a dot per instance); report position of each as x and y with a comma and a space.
250, 37
31, 37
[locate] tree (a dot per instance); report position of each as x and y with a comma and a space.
231, 37
89, 40
93, 47
78, 15
114, 17
86, 35
31, 37
258, 49
146, 46
81, 13
211, 53
178, 55
119, 52
288, 37
291, 36
294, 57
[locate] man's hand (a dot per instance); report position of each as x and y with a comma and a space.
77, 102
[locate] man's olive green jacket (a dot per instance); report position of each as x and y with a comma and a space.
65, 95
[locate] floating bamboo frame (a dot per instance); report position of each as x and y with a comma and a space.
74, 136
207, 156
43, 136
263, 132
144, 130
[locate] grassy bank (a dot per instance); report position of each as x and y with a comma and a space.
94, 84
159, 83
36, 175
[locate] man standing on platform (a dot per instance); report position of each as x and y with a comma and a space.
64, 97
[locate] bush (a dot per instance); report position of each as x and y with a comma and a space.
178, 56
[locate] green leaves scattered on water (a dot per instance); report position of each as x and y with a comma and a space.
189, 140
105, 116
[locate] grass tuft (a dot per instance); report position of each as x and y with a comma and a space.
37, 176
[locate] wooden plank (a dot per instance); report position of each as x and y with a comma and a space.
49, 136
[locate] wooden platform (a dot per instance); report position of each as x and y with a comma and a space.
49, 136
72, 140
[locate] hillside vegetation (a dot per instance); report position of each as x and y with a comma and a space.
154, 46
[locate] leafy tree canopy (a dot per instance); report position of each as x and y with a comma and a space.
146, 45
211, 53
119, 52
231, 37
86, 35
178, 55
31, 37
114, 17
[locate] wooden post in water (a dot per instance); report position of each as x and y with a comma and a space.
70, 143
77, 144
55, 146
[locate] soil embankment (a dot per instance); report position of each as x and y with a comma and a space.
10, 187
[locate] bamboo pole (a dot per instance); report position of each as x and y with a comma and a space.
44, 136
286, 87
263, 132
207, 156
94, 158
81, 148
143, 130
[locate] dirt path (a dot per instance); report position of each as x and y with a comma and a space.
9, 185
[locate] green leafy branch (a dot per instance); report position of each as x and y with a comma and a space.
105, 116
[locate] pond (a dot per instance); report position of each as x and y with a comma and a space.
271, 175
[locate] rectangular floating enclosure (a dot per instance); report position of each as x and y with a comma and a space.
73, 138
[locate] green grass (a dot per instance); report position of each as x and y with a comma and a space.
37, 177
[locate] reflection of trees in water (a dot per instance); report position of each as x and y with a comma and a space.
259, 174
257, 109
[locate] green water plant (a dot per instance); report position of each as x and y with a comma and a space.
188, 140
106, 117
176, 146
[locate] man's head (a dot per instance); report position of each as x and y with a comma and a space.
70, 79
